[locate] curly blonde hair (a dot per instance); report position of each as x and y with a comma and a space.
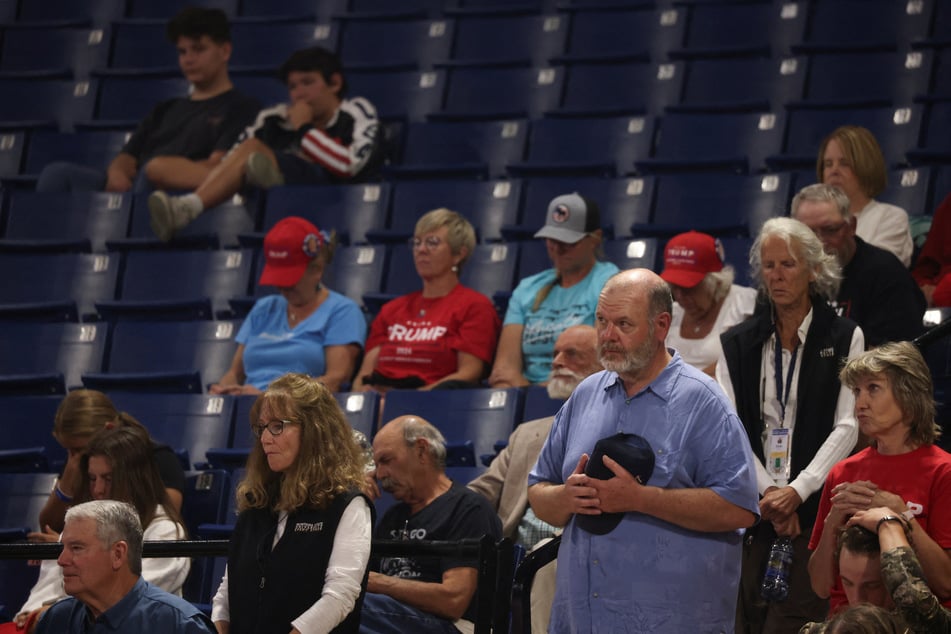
329, 462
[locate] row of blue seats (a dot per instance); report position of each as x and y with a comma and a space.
512, 210
853, 81
205, 284
700, 28
609, 146
640, 33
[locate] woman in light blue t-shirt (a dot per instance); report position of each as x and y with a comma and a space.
544, 305
306, 327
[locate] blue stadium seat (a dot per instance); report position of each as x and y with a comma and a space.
141, 45
482, 416
190, 422
408, 95
532, 40
941, 85
90, 217
757, 84
738, 28
719, 204
266, 45
634, 253
502, 93
603, 147
12, 144
167, 8
622, 88
205, 501
910, 189
32, 418
350, 210
737, 254
292, 9
39, 350
868, 79
390, 44
389, 9
735, 142
488, 205
458, 149
93, 148
167, 356
491, 269
362, 410
865, 25
77, 279
46, 102
22, 495
538, 404
54, 51
164, 278
935, 145
942, 185
620, 34
123, 101
70, 12
356, 271
896, 130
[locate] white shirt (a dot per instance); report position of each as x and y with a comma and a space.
168, 573
702, 353
886, 226
342, 580
844, 432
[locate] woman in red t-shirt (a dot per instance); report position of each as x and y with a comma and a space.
901, 469
441, 336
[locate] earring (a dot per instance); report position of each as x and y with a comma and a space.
455, 269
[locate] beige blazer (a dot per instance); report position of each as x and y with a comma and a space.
505, 483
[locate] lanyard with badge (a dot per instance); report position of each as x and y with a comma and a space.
777, 464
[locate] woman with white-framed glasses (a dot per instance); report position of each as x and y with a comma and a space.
443, 335
298, 556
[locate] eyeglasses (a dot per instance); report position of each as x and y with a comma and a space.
430, 242
276, 427
830, 231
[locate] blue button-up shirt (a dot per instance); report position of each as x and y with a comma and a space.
144, 609
648, 575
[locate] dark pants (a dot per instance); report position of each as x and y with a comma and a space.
754, 615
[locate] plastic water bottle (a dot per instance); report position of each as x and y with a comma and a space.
367, 451
775, 586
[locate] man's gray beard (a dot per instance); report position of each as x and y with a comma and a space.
563, 384
634, 361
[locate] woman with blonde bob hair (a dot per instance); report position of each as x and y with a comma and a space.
442, 335
851, 159
299, 502
901, 469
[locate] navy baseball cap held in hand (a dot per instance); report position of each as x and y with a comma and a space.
632, 452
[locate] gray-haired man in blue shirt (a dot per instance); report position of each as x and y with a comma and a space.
102, 564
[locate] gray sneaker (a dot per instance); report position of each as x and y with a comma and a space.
168, 215
262, 172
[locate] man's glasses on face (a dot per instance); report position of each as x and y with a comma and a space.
830, 231
275, 427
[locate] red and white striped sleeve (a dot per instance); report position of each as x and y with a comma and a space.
330, 148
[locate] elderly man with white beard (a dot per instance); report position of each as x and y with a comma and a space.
505, 483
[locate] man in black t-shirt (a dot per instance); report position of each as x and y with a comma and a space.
179, 142
423, 594
877, 291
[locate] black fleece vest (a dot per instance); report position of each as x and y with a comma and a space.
826, 348
267, 589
